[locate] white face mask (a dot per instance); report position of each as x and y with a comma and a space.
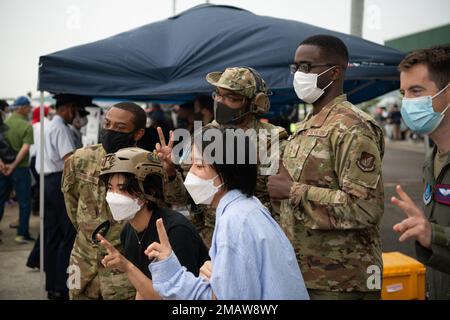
305, 86
122, 207
201, 190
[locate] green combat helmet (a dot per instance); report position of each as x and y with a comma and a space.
139, 162
245, 81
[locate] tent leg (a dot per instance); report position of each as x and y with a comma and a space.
41, 200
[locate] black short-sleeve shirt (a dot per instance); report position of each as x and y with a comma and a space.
183, 237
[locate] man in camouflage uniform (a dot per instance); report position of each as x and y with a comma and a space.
330, 184
241, 95
87, 208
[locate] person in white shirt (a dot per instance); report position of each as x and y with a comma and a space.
59, 233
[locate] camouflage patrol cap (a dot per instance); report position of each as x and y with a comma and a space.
136, 161
239, 79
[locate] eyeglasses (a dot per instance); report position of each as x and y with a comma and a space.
306, 67
228, 97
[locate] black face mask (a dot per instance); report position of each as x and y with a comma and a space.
223, 114
112, 140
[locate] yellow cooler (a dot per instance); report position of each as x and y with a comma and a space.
403, 277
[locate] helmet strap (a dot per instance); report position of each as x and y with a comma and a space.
159, 202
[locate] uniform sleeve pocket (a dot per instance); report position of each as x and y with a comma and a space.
68, 179
89, 191
363, 169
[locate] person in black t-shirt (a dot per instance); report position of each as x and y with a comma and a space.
136, 187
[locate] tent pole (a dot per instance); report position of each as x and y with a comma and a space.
41, 200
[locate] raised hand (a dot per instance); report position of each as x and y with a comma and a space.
113, 260
416, 226
164, 152
161, 250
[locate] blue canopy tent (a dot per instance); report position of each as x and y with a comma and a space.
168, 60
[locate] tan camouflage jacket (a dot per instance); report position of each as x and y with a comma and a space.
337, 198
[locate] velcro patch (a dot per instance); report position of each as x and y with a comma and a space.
442, 194
427, 194
366, 162
292, 150
152, 157
87, 178
317, 133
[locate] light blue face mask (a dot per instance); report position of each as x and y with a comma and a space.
419, 115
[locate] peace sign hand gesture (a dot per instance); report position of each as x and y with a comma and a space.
164, 152
416, 226
161, 250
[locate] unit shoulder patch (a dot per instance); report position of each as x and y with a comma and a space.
366, 162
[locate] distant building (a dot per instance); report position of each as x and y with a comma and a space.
423, 39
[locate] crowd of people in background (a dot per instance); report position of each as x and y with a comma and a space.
390, 118
64, 124
309, 230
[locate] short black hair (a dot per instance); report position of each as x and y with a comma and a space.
153, 185
242, 172
76, 100
436, 59
139, 115
331, 46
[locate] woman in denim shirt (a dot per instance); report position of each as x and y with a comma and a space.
251, 257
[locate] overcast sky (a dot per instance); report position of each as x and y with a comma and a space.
29, 29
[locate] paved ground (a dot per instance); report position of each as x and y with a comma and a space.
16, 280
402, 164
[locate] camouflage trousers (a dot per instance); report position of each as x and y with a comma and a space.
332, 295
107, 284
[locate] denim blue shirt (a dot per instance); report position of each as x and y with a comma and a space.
250, 255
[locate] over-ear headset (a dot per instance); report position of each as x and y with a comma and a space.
261, 100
